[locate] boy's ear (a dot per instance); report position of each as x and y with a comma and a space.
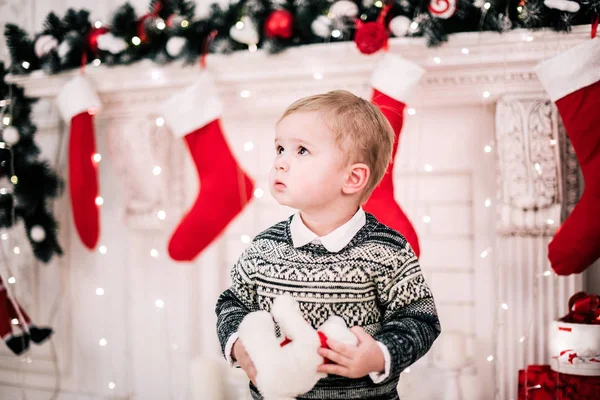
356, 179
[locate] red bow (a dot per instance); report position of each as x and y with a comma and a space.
584, 309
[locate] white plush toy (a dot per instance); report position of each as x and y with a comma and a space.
288, 369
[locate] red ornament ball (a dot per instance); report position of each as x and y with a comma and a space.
92, 38
280, 24
370, 37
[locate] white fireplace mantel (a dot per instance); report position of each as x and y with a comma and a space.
496, 63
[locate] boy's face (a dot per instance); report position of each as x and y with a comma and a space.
308, 172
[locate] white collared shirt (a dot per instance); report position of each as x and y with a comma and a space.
334, 242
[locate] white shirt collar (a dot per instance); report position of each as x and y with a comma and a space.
334, 241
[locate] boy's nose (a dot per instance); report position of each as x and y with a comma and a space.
280, 164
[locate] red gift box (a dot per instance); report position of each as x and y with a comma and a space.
539, 382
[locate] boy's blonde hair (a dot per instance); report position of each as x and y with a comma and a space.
359, 127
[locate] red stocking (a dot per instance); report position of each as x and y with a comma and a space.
225, 189
393, 80
572, 79
77, 103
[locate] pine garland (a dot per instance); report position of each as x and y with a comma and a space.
166, 19
36, 183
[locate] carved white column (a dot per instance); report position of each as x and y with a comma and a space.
537, 186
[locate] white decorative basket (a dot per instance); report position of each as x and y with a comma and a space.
575, 348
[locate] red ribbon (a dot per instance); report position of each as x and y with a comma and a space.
595, 21
584, 309
209, 38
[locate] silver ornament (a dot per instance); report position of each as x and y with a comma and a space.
321, 26
175, 46
10, 135
37, 233
343, 8
44, 45
399, 25
244, 31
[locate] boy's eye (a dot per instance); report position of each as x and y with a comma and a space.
302, 151
279, 150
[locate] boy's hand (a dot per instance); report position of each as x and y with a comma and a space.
353, 361
240, 354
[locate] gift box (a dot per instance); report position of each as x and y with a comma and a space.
540, 382
575, 338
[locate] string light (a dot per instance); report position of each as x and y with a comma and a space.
160, 25
136, 41
97, 157
245, 239
97, 24
437, 60
547, 273
160, 121
96, 62
154, 253
111, 385
490, 358
411, 111
248, 146
487, 149
17, 250
6, 121
414, 26
318, 76
100, 291
161, 214
522, 339
159, 303
504, 306
538, 168
487, 6
12, 280
244, 94
99, 201
103, 342
336, 33
550, 221
486, 94
252, 47
378, 4
407, 370
4, 236
102, 249
426, 219
26, 65
428, 168
156, 170
185, 23
155, 74
14, 321
258, 193
488, 202
486, 252
552, 142
14, 179
464, 50
239, 25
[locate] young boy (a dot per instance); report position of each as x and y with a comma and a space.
331, 151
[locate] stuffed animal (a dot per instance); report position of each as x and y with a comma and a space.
288, 368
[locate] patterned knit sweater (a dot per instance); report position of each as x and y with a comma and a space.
374, 282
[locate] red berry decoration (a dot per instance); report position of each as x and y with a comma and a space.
370, 37
280, 24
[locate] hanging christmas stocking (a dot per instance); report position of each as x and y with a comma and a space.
9, 316
77, 103
393, 81
224, 187
572, 80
